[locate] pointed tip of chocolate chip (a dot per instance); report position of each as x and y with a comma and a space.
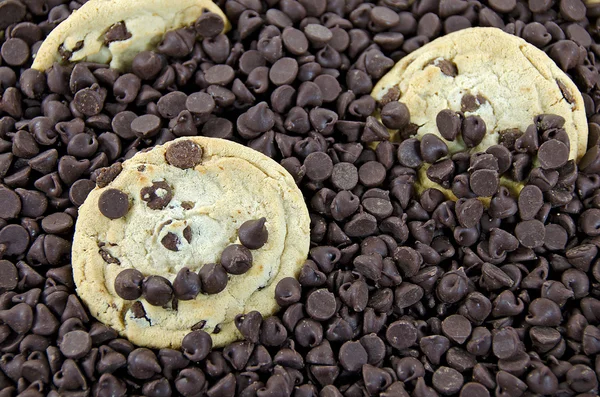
253, 234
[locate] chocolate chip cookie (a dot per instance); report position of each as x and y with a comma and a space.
482, 82
186, 236
115, 31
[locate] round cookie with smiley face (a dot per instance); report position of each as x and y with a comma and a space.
186, 236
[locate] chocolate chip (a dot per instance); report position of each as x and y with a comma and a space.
196, 345
401, 334
113, 203
287, 292
75, 344
145, 126
82, 188
213, 278
273, 332
352, 356
318, 166
15, 52
157, 196
471, 103
209, 24
12, 12
249, 325
395, 115
530, 233
469, 212
447, 380
147, 65
457, 328
409, 153
530, 202
452, 287
186, 285
371, 174
117, 32
484, 183
184, 154
9, 276
253, 234
19, 318
157, 290
236, 259
473, 130
442, 172
256, 120
553, 154
321, 305
12, 204
128, 284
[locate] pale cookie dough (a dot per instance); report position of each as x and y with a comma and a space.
516, 80
147, 21
231, 185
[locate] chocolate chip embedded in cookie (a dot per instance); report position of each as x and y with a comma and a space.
115, 31
184, 154
193, 232
476, 89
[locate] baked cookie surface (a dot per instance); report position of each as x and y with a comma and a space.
201, 209
488, 73
114, 31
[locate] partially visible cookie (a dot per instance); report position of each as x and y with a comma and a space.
114, 31
181, 205
488, 73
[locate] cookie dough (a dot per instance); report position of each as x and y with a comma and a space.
231, 185
489, 73
143, 22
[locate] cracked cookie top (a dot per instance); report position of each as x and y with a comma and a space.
176, 210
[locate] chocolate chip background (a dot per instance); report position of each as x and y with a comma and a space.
401, 295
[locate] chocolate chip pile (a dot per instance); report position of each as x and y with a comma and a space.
212, 278
402, 294
478, 174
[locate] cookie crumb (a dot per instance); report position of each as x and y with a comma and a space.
393, 94
108, 174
